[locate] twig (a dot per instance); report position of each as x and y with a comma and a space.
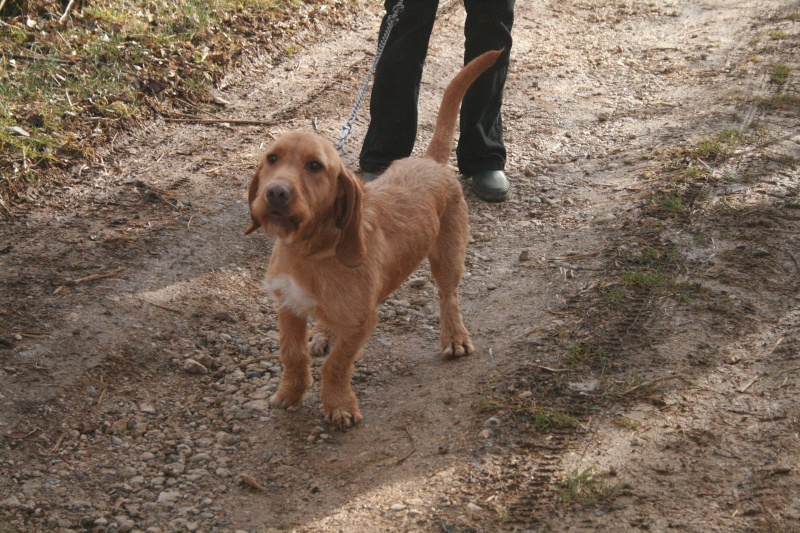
160, 306
553, 370
776, 345
744, 389
8, 212
93, 277
66, 12
250, 481
569, 256
221, 120
648, 383
2, 4
36, 58
413, 448
34, 430
258, 359
542, 446
58, 443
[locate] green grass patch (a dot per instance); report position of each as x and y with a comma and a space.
693, 173
646, 255
710, 149
613, 296
588, 488
693, 290
780, 74
540, 418
585, 355
778, 35
670, 202
627, 423
546, 419
784, 102
646, 279
718, 147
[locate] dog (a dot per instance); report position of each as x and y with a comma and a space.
342, 248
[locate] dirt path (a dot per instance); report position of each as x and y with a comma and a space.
634, 305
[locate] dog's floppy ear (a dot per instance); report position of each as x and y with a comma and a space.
251, 196
351, 248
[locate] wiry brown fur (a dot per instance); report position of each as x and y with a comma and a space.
342, 248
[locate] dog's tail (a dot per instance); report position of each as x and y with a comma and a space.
441, 143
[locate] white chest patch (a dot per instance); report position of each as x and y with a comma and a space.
289, 295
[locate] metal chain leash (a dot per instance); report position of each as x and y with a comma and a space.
390, 22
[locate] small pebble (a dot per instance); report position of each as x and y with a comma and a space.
190, 366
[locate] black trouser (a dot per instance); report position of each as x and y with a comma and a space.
395, 91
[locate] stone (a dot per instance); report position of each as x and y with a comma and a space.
168, 496
259, 406
10, 503
201, 457
398, 507
174, 469
190, 366
584, 387
492, 422
473, 508
125, 524
605, 219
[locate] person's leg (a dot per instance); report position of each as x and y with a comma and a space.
480, 145
395, 90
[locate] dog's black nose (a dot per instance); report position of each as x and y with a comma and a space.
278, 194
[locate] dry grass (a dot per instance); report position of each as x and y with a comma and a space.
67, 87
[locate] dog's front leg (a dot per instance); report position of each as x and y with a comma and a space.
296, 378
338, 399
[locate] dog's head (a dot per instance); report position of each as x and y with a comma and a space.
301, 186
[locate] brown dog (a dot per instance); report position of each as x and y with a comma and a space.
342, 248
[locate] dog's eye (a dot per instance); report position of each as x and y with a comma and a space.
314, 166
272, 159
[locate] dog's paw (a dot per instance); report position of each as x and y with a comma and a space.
319, 344
456, 348
344, 417
276, 400
288, 397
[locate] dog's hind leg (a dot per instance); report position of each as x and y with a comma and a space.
296, 378
320, 340
447, 265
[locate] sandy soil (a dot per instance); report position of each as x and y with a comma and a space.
634, 304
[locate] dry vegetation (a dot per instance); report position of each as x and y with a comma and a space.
72, 76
